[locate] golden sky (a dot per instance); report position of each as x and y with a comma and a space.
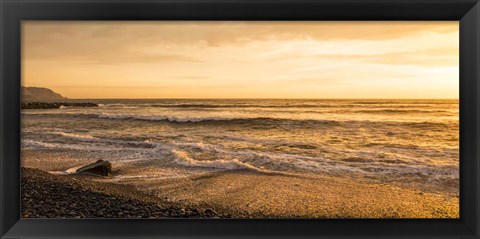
174, 59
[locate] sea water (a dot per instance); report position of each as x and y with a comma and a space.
386, 140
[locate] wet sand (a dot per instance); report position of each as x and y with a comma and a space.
290, 196
248, 194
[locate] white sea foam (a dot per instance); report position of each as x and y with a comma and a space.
182, 158
66, 172
35, 144
72, 170
77, 136
286, 161
164, 118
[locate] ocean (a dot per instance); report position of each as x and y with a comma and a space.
407, 142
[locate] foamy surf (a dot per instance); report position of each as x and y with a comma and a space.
332, 137
72, 170
183, 159
76, 136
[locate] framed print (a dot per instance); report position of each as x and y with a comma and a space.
242, 119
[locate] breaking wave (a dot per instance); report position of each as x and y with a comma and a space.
244, 120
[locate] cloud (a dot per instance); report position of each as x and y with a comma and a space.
141, 59
194, 78
447, 56
425, 58
80, 37
429, 57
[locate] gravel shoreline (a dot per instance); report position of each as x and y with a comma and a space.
44, 195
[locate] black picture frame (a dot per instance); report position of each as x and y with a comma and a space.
12, 12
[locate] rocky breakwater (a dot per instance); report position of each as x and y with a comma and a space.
55, 105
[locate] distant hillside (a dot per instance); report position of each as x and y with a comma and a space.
39, 93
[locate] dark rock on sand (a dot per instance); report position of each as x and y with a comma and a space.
55, 105
44, 195
100, 168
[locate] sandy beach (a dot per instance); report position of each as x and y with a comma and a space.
306, 197
250, 194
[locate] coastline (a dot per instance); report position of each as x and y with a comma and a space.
243, 194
